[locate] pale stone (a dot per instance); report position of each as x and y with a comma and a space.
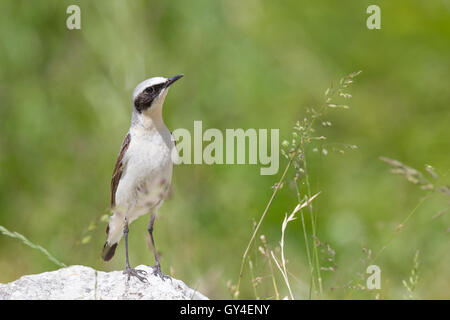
85, 283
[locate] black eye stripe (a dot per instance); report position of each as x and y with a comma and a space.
145, 99
154, 89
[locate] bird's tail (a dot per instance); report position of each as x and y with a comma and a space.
108, 249
114, 233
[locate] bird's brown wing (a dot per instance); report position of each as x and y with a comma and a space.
118, 169
109, 249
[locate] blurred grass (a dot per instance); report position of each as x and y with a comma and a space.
66, 102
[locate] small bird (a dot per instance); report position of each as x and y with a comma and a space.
143, 171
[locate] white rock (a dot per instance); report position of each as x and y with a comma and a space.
80, 282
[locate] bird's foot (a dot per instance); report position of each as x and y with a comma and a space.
157, 272
140, 274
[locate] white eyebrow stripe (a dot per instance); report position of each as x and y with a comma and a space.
147, 83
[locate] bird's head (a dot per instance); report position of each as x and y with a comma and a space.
150, 94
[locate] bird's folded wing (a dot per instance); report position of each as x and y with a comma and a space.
118, 169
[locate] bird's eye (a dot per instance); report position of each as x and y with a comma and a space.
150, 90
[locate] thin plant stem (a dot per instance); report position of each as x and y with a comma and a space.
284, 274
17, 235
396, 231
401, 225
312, 282
250, 264
330, 92
277, 294
313, 223
277, 187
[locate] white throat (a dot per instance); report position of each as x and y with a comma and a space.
150, 118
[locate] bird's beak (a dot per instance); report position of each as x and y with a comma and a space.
173, 79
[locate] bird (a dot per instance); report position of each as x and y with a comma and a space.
142, 175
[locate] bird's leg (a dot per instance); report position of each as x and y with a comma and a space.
140, 274
157, 269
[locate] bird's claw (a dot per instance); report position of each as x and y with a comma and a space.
140, 274
157, 272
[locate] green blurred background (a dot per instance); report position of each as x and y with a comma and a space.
66, 102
